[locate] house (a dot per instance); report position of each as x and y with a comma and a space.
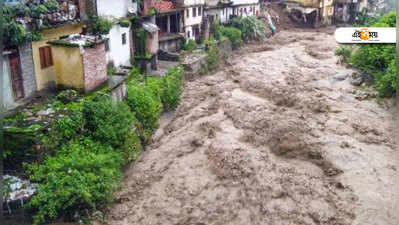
119, 41
79, 62
28, 66
305, 12
43, 56
169, 19
326, 11
345, 10
220, 11
246, 8
19, 80
192, 18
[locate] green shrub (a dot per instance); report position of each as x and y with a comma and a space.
124, 23
68, 96
345, 52
233, 34
251, 27
172, 88
75, 182
100, 25
155, 85
135, 76
213, 59
146, 105
215, 30
107, 122
64, 130
132, 147
190, 45
110, 69
378, 59
386, 82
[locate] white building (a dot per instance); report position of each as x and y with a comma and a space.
119, 45
220, 11
192, 17
246, 8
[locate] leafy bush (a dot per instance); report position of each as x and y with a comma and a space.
132, 147
64, 130
107, 122
172, 88
78, 180
378, 59
213, 59
190, 45
251, 27
386, 82
345, 52
155, 85
146, 105
124, 23
100, 25
68, 96
233, 34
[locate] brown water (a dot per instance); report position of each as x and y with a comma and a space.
274, 138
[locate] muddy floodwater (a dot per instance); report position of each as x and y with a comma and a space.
278, 137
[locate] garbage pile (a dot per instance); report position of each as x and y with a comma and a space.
18, 189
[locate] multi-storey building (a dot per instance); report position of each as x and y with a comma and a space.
118, 45
192, 17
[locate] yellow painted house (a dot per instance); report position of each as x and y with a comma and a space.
79, 62
43, 57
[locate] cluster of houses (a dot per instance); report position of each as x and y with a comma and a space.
65, 57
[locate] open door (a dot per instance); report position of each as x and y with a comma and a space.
16, 76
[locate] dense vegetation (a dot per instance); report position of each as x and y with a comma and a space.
233, 34
85, 151
379, 60
251, 27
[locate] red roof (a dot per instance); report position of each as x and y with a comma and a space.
162, 6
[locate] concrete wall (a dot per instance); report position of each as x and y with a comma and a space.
28, 69
170, 45
119, 53
153, 43
94, 67
115, 8
46, 77
8, 96
68, 67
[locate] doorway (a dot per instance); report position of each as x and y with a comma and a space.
16, 76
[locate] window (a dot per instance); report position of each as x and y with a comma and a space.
223, 11
123, 38
194, 12
188, 34
199, 11
46, 57
187, 13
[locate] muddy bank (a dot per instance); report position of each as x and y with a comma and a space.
277, 137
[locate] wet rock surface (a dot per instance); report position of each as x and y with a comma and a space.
277, 137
